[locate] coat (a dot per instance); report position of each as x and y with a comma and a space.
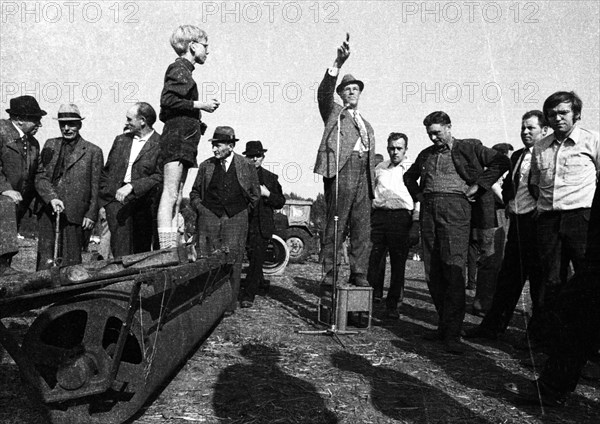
325, 164
146, 172
246, 174
16, 171
262, 216
78, 187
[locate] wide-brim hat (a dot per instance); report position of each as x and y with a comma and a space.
69, 112
347, 80
224, 134
25, 106
254, 148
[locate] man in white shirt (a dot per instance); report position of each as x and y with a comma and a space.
394, 225
521, 260
130, 183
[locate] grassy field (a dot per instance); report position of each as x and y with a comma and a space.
257, 368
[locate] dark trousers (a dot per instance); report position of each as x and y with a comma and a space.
70, 241
131, 226
353, 210
256, 247
562, 239
445, 227
227, 234
389, 231
576, 316
521, 262
486, 245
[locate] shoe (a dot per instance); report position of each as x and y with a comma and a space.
359, 281
480, 332
536, 392
478, 312
433, 335
246, 304
454, 347
392, 313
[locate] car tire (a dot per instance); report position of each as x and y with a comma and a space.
298, 244
277, 256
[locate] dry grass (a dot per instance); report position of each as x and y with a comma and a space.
257, 368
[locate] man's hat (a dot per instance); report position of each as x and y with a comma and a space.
347, 80
69, 112
224, 134
25, 106
254, 148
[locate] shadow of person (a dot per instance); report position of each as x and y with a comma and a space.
402, 397
260, 392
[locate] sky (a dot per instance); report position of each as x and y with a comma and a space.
485, 63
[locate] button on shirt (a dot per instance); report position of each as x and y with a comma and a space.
565, 172
136, 147
523, 202
390, 191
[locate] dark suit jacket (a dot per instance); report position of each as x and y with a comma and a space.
78, 187
16, 171
262, 216
349, 134
246, 174
509, 190
474, 163
146, 172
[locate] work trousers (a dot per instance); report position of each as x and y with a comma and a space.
353, 210
256, 247
227, 234
521, 262
389, 232
131, 226
445, 227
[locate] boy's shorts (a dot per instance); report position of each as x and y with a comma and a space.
179, 141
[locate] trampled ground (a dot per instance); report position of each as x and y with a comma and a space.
257, 368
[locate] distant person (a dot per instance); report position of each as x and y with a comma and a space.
487, 238
225, 192
180, 110
521, 261
19, 160
446, 178
564, 170
261, 223
67, 182
394, 225
129, 182
352, 175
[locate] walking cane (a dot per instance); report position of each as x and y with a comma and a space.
56, 237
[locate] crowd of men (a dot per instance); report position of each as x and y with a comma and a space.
546, 189
446, 197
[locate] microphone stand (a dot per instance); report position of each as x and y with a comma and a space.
333, 330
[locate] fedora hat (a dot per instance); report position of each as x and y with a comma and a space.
224, 134
69, 112
254, 148
347, 80
25, 106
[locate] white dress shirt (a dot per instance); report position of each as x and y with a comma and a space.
390, 191
136, 147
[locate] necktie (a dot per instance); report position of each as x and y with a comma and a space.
364, 136
24, 144
517, 175
223, 165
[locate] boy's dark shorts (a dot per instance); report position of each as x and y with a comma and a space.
179, 141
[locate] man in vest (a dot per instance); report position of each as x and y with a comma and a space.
225, 190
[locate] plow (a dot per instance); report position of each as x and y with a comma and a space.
111, 332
